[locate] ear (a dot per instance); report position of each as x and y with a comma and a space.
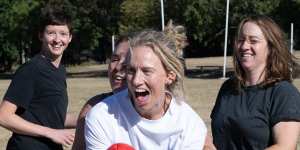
171, 77
70, 37
40, 36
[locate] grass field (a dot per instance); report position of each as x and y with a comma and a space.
201, 86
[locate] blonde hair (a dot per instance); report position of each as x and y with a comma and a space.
168, 46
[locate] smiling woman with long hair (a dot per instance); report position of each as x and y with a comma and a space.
259, 107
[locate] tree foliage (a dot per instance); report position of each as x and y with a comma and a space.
95, 21
139, 14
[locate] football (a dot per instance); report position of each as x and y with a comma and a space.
120, 146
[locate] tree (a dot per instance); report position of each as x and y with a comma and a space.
286, 13
95, 21
139, 14
13, 36
205, 21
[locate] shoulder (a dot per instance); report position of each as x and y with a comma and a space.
229, 87
187, 113
110, 104
284, 103
107, 112
186, 108
92, 102
283, 85
191, 122
32, 65
229, 83
98, 98
284, 92
286, 88
27, 69
28, 65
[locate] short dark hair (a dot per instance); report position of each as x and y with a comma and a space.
54, 16
121, 38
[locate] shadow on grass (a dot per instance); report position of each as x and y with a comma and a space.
208, 72
6, 75
88, 74
200, 72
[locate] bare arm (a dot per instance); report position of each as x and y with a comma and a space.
285, 135
209, 145
71, 120
14, 123
79, 142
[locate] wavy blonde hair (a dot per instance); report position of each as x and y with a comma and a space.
168, 46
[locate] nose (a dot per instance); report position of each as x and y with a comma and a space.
244, 45
137, 78
56, 38
121, 66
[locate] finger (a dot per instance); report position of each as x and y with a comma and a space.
69, 141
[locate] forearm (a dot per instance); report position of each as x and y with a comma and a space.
71, 120
79, 142
13, 122
280, 147
18, 125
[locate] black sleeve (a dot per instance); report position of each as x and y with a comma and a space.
98, 98
21, 89
285, 104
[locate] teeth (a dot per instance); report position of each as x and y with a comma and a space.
245, 55
119, 78
140, 90
56, 46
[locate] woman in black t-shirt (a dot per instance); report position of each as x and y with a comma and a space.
259, 108
35, 104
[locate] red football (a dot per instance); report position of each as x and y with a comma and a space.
120, 146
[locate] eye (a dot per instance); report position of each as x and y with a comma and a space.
50, 33
64, 34
241, 40
253, 41
130, 70
147, 71
114, 58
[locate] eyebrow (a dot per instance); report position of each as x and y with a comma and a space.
252, 36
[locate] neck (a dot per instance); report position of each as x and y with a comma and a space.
255, 77
55, 60
161, 109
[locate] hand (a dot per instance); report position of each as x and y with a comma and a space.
209, 145
62, 136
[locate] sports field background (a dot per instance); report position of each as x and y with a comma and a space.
204, 78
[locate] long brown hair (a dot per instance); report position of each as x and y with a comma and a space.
280, 62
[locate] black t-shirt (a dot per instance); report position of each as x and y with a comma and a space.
244, 120
39, 90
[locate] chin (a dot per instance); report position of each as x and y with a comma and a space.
56, 54
118, 88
